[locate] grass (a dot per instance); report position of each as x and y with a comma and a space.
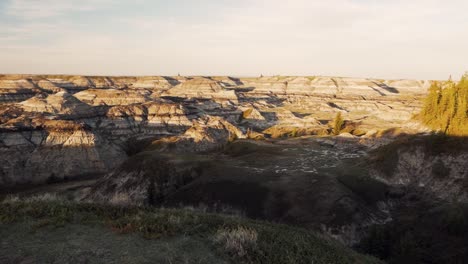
241, 240
238, 241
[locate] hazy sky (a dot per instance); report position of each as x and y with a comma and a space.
426, 39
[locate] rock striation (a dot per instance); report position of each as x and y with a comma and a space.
202, 88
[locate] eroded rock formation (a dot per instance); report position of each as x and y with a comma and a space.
56, 127
435, 164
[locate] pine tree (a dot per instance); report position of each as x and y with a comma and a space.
431, 103
446, 107
461, 117
338, 123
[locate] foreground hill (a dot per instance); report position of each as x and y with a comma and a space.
41, 230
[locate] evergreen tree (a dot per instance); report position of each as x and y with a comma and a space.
460, 117
446, 107
431, 103
338, 123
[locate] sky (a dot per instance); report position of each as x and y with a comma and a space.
415, 39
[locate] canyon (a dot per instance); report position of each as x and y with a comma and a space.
66, 127
264, 147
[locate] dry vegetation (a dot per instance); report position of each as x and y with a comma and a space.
237, 239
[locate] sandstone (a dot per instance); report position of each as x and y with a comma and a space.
251, 113
49, 86
202, 88
61, 103
160, 113
206, 134
346, 135
111, 97
14, 89
156, 82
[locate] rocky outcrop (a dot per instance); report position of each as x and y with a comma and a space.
435, 164
206, 134
16, 90
58, 150
112, 97
202, 88
60, 104
157, 113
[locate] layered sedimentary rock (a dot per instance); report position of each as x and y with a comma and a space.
54, 150
16, 89
70, 126
111, 97
205, 134
202, 88
60, 104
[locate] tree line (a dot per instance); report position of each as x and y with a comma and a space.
446, 107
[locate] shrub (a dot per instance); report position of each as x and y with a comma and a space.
238, 241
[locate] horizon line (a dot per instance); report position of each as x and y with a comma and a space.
216, 75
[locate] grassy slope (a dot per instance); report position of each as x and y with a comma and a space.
229, 238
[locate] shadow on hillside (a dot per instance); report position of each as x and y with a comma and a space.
425, 228
379, 92
172, 80
387, 88
331, 104
237, 81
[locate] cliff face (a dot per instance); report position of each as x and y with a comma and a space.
435, 164
56, 127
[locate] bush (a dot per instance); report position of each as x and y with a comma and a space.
238, 241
